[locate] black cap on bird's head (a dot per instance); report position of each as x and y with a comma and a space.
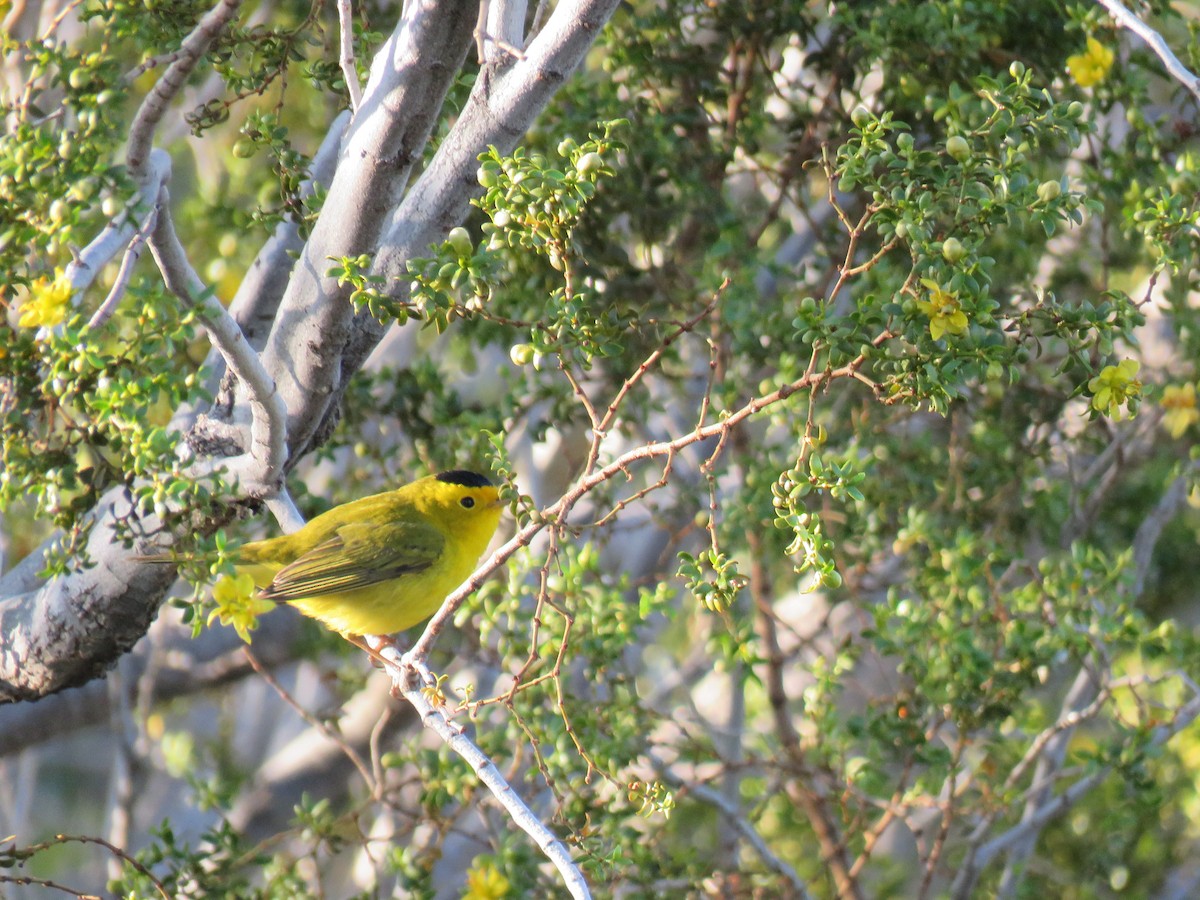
464, 478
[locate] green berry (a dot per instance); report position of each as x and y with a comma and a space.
588, 162
953, 250
958, 148
460, 241
1048, 190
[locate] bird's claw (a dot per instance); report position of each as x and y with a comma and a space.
410, 663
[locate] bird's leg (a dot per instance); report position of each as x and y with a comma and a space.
377, 659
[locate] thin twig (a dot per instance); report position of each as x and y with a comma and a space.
318, 724
560, 510
29, 880
84, 839
346, 53
133, 252
656, 355
268, 427
58, 19
152, 63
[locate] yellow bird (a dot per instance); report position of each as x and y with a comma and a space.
383, 563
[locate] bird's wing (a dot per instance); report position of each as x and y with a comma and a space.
361, 554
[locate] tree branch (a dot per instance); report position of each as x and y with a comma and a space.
1054, 805
1080, 697
499, 111
116, 235
262, 477
559, 511
156, 102
410, 77
1154, 40
404, 678
262, 288
1148, 533
346, 52
70, 629
212, 660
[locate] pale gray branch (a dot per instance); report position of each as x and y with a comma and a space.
402, 675
154, 106
283, 508
69, 629
1185, 716
346, 53
1156, 43
191, 666
254, 305
133, 252
500, 110
410, 76
268, 430
1043, 807
1081, 696
115, 236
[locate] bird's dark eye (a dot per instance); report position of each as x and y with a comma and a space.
467, 502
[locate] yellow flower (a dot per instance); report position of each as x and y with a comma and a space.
1090, 67
47, 302
237, 605
1179, 405
486, 882
1114, 387
943, 311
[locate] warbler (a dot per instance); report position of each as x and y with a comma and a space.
382, 563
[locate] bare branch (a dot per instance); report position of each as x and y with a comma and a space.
210, 661
258, 295
1151, 530
410, 76
154, 106
133, 253
1050, 806
1156, 43
402, 675
115, 236
346, 53
502, 26
268, 430
1053, 753
500, 109
283, 508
